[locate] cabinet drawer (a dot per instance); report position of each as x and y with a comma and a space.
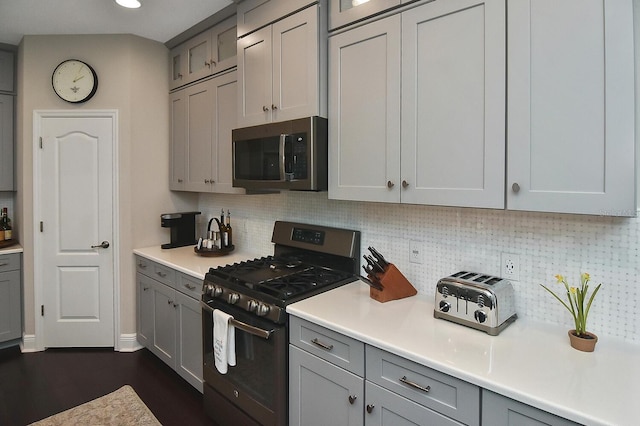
442, 393
9, 262
188, 285
144, 266
334, 347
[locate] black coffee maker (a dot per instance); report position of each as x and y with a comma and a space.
183, 228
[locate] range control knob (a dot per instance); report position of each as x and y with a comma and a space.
262, 309
445, 306
233, 298
480, 316
216, 291
252, 306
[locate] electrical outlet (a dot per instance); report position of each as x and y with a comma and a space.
415, 252
510, 265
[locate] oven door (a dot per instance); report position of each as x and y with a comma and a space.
257, 384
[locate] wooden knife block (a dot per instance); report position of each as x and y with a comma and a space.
395, 285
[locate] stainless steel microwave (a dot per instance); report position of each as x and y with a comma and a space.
278, 156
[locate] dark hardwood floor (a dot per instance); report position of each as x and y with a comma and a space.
36, 385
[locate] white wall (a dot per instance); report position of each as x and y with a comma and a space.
133, 78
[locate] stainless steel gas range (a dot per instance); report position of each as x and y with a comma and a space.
307, 260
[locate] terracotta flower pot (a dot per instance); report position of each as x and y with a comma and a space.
581, 343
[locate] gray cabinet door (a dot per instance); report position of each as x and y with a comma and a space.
145, 310
498, 410
7, 71
10, 306
385, 408
189, 340
364, 112
164, 323
571, 146
178, 129
321, 393
453, 104
6, 143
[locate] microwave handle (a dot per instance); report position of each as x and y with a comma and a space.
283, 156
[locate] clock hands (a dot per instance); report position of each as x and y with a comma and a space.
78, 78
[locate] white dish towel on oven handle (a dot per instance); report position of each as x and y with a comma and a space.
224, 341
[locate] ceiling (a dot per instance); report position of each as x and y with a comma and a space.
159, 20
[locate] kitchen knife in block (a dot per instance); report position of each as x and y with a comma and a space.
395, 286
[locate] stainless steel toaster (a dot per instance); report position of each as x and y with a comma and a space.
480, 301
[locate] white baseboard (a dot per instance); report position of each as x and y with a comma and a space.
129, 343
28, 343
126, 343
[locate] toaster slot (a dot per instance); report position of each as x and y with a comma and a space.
458, 274
493, 280
482, 278
469, 275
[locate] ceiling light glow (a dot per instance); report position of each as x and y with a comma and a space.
131, 4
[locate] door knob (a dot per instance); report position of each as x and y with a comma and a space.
104, 244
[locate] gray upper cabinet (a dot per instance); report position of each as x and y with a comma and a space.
364, 112
7, 67
203, 116
417, 105
6, 143
282, 69
208, 53
345, 12
254, 14
571, 107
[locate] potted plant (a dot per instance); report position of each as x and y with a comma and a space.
579, 305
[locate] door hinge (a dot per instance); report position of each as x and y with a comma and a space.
42, 310
41, 226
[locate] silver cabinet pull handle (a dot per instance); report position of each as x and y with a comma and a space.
390, 184
142, 265
3, 264
370, 408
515, 187
414, 384
352, 399
265, 109
405, 184
104, 244
322, 345
161, 274
190, 286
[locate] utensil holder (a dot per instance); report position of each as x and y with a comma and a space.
395, 285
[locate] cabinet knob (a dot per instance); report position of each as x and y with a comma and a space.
515, 187
179, 180
179, 76
390, 184
209, 63
405, 184
274, 107
352, 399
370, 408
265, 109
206, 181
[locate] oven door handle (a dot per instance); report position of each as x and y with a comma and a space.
258, 332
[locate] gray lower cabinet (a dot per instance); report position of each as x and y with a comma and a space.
329, 384
498, 410
170, 319
6, 143
10, 297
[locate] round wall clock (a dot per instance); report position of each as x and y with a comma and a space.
74, 81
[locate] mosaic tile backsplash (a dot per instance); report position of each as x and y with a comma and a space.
454, 239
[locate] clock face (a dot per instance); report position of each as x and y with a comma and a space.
74, 81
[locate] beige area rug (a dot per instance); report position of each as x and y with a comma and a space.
121, 407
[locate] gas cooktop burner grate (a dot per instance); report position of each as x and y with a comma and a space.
276, 277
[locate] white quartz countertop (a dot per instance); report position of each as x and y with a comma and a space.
530, 362
17, 248
185, 260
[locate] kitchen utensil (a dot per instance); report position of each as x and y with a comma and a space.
388, 282
372, 284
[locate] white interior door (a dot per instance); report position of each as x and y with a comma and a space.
76, 231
